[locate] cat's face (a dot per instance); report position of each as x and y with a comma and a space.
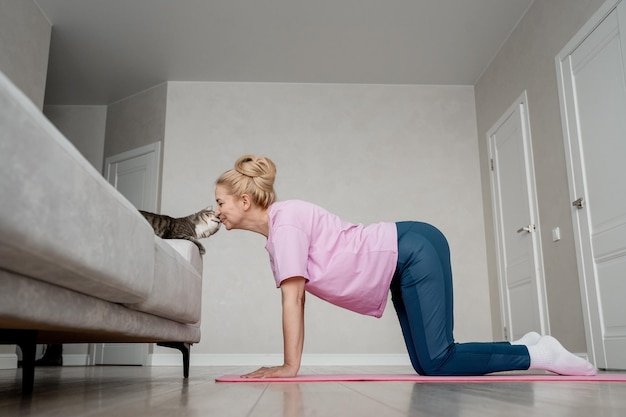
209, 223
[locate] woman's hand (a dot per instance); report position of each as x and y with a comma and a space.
283, 371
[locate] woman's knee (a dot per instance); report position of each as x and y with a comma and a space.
440, 365
430, 369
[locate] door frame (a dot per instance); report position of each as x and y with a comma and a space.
588, 289
521, 104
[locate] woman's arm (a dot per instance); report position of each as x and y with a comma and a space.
293, 331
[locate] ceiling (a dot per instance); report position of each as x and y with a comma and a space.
104, 50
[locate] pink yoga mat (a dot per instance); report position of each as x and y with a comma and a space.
419, 378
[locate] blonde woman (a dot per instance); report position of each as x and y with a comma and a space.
354, 266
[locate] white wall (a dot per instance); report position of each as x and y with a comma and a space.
366, 152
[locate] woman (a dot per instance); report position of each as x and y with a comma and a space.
354, 266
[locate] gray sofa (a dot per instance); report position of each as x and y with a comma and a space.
78, 263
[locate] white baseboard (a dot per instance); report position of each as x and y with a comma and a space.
235, 359
8, 361
75, 359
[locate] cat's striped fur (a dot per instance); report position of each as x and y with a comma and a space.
193, 227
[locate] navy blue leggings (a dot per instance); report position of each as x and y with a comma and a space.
421, 290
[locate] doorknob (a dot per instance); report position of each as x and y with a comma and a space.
528, 229
578, 203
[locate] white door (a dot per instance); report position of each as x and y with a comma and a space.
593, 102
135, 174
520, 262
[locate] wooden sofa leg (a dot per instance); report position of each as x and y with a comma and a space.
27, 341
185, 349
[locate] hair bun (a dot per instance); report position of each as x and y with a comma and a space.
253, 175
256, 167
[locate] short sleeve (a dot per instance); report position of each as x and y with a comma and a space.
289, 253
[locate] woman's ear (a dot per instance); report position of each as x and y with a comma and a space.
246, 201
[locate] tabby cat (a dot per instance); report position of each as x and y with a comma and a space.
193, 227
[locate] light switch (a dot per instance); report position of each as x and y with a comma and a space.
556, 234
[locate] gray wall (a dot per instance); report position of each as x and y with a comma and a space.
527, 62
136, 121
24, 44
84, 126
366, 152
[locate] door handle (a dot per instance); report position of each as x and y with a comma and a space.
528, 229
579, 203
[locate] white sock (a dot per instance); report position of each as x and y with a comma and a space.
528, 339
549, 355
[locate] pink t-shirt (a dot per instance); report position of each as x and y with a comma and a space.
349, 265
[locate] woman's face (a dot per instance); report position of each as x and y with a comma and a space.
229, 208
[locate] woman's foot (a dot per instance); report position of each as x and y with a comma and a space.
549, 355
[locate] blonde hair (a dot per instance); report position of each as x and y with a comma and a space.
252, 175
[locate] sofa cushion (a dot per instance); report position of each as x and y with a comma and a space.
60, 221
177, 289
66, 316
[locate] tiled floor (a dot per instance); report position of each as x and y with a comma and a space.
161, 392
